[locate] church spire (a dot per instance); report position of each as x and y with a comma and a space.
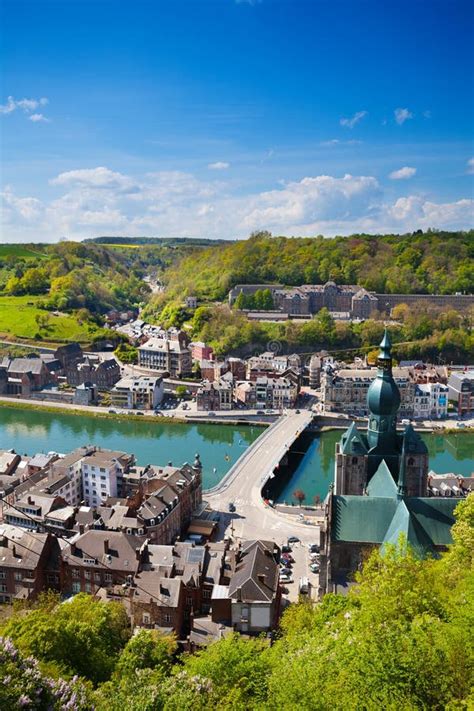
383, 401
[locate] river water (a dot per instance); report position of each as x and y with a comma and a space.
31, 431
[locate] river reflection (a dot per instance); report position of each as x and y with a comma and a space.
219, 446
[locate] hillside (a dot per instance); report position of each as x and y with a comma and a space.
432, 262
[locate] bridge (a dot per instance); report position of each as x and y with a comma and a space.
243, 482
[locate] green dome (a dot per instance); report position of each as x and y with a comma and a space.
383, 397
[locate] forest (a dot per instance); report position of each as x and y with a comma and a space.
402, 638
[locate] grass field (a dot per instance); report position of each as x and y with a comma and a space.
19, 250
18, 320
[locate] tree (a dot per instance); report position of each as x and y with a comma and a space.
240, 302
299, 495
147, 649
181, 390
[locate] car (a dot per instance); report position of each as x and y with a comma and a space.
298, 412
314, 568
287, 557
231, 507
285, 571
211, 414
284, 590
314, 557
293, 539
285, 579
260, 412
111, 412
313, 547
286, 549
140, 413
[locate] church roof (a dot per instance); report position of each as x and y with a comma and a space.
382, 482
352, 441
405, 522
426, 521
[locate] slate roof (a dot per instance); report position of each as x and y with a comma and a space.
427, 521
382, 483
247, 583
353, 442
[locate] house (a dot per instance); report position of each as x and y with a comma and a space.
103, 374
9, 461
431, 401
24, 557
40, 461
98, 559
215, 396
142, 392
25, 375
31, 511
461, 391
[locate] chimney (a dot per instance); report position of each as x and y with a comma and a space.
30, 500
14, 550
3, 542
106, 546
138, 554
81, 528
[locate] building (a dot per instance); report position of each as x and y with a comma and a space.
85, 394
346, 390
348, 300
31, 511
103, 374
461, 391
191, 302
24, 559
275, 393
170, 354
97, 559
215, 395
380, 488
9, 460
140, 393
315, 366
68, 354
431, 401
25, 375
200, 352
103, 471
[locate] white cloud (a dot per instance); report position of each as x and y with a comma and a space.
470, 166
96, 178
338, 142
219, 165
26, 105
351, 122
427, 114
402, 115
402, 173
38, 117
93, 201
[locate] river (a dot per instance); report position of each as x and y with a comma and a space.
31, 431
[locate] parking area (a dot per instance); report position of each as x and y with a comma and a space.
300, 563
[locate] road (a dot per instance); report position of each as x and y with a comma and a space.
252, 518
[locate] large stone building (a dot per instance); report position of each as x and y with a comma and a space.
380, 488
349, 299
170, 354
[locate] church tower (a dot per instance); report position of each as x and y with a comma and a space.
360, 453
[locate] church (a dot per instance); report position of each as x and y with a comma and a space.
380, 488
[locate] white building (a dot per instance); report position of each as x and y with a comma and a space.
142, 393
171, 354
102, 475
431, 401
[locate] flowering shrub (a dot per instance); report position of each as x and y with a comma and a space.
23, 686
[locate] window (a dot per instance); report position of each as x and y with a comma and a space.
3, 587
18, 576
2, 575
206, 593
108, 578
88, 587
189, 601
75, 573
166, 617
97, 577
87, 575
146, 618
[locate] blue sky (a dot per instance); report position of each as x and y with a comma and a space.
216, 118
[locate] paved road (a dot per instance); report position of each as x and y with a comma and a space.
252, 518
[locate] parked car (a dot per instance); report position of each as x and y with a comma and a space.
211, 414
284, 590
313, 547
314, 568
111, 412
285, 571
231, 506
260, 412
286, 549
285, 579
288, 557
293, 539
140, 413
298, 412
